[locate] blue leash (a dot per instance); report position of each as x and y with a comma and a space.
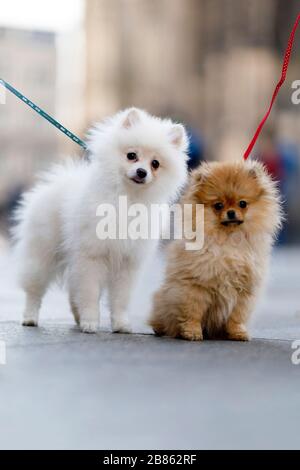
45, 115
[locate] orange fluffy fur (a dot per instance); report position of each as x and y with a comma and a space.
212, 291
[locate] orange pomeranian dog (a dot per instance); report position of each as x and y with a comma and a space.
211, 292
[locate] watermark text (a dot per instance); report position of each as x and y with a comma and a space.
158, 221
295, 357
2, 94
2, 353
296, 94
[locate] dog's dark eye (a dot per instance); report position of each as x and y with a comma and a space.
243, 204
155, 164
219, 206
131, 156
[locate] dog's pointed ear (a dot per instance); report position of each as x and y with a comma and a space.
133, 116
201, 173
178, 136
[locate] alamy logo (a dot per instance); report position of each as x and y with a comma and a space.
295, 358
125, 221
2, 353
296, 94
2, 94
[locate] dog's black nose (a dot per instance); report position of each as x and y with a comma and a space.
231, 215
141, 173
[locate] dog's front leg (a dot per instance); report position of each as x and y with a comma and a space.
236, 328
87, 279
119, 296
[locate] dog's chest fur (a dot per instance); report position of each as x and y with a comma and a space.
227, 270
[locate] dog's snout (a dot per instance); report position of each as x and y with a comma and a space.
231, 215
141, 173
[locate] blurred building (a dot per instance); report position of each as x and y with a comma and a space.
70, 87
28, 62
142, 53
213, 63
210, 63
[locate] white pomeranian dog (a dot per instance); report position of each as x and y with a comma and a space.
133, 154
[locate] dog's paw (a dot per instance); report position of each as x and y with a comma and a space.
191, 332
29, 322
237, 332
89, 326
238, 336
121, 327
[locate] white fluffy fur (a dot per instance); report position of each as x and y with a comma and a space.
56, 223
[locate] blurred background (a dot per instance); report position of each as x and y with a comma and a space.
211, 64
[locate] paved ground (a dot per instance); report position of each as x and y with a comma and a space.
64, 389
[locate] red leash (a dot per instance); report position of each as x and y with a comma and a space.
285, 65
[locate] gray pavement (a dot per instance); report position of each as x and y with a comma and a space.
63, 389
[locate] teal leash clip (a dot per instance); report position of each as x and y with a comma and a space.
45, 115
